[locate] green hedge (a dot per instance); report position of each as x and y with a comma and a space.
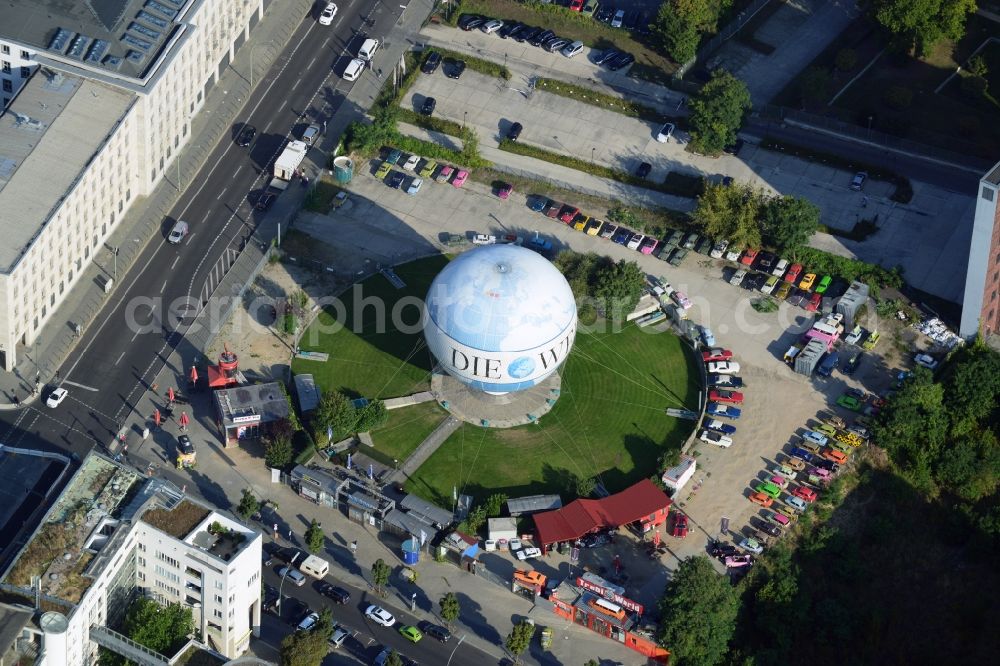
669, 186
487, 67
824, 263
904, 190
304, 447
605, 101
432, 123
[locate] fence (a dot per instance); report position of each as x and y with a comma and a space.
709, 47
833, 123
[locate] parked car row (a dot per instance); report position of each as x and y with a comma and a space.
451, 67
425, 169
571, 216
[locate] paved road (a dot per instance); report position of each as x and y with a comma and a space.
367, 639
119, 355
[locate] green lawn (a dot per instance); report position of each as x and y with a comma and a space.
609, 422
406, 429
364, 360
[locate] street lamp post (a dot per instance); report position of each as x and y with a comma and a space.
114, 251
592, 155
291, 563
465, 114
870, 127
455, 649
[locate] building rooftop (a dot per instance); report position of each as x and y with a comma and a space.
13, 619
120, 36
75, 529
532, 504
993, 175
48, 135
238, 404
179, 521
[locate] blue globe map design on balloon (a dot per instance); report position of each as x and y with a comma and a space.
521, 367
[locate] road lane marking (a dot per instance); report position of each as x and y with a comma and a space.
176, 259
221, 193
134, 337
83, 386
190, 236
163, 287
120, 356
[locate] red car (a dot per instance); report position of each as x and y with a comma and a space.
680, 529
808, 494
568, 213
749, 256
553, 210
576, 5
814, 302
792, 276
718, 395
716, 354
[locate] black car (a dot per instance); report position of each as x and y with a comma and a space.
765, 527
515, 131
765, 261
431, 63
852, 365
754, 281
338, 594
246, 136
541, 38
624, 60
508, 29
527, 33
293, 610
631, 20
823, 463
735, 148
605, 13
722, 550
607, 56
469, 22
395, 179
269, 599
436, 631
264, 200
643, 169
642, 25
453, 68
427, 108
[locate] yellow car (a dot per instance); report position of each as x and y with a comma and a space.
871, 341
383, 171
594, 227
580, 223
807, 281
428, 169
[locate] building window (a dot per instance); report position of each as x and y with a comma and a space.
25, 55
5, 49
7, 87
25, 72
5, 67
993, 296
987, 193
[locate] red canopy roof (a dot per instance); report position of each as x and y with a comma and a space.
583, 516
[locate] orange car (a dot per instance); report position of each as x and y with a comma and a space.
763, 499
834, 455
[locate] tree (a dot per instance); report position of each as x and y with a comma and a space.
731, 213
619, 286
314, 537
324, 625
278, 447
449, 608
303, 648
789, 222
680, 23
814, 87
698, 613
920, 24
476, 519
335, 412
380, 575
717, 112
371, 416
585, 487
519, 639
160, 628
248, 505
394, 659
494, 504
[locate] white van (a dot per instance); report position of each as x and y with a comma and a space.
316, 567
354, 69
178, 233
368, 50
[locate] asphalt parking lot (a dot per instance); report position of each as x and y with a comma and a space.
778, 403
941, 218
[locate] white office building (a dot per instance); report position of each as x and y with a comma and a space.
114, 536
97, 98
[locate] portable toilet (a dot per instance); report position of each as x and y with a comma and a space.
343, 169
411, 551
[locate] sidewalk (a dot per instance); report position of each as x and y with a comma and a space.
142, 222
564, 177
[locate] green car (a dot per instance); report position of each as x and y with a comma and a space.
840, 446
823, 285
383, 171
768, 488
826, 429
678, 256
849, 402
394, 156
411, 633
590, 8
428, 170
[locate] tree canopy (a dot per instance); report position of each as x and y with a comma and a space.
920, 24
335, 412
698, 614
717, 112
248, 504
304, 648
616, 286
380, 575
449, 608
162, 629
519, 639
789, 222
731, 212
314, 537
679, 25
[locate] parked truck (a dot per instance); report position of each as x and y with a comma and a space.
286, 166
